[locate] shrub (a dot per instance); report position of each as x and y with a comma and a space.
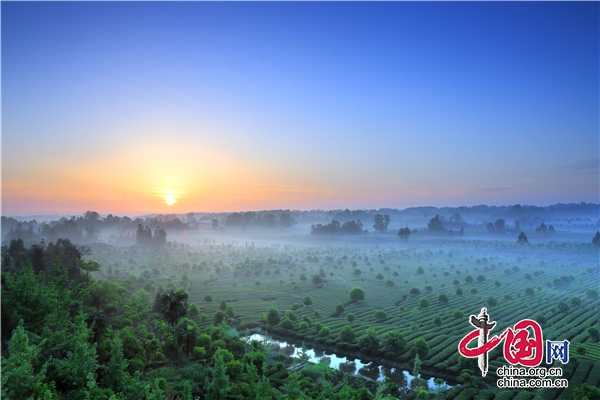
380, 315
350, 317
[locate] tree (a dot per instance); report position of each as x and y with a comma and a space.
116, 370
208, 298
522, 238
435, 224
347, 334
594, 333
350, 317
317, 279
499, 225
339, 309
324, 331
186, 333
421, 347
596, 239
307, 301
215, 224
356, 272
394, 341
273, 317
19, 377
174, 305
369, 341
381, 222
356, 293
219, 385
380, 315
443, 298
288, 324
404, 233
423, 302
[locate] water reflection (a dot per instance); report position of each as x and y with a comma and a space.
348, 365
371, 371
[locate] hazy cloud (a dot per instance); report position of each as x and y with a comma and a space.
292, 188
588, 165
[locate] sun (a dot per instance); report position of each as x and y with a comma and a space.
170, 198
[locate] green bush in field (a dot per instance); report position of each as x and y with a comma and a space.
193, 310
414, 291
469, 279
369, 341
423, 302
594, 333
459, 292
575, 301
339, 309
318, 327
307, 301
394, 341
458, 314
357, 293
380, 315
443, 298
491, 301
291, 315
325, 331
350, 317
273, 317
437, 320
288, 324
389, 283
529, 291
347, 334
421, 347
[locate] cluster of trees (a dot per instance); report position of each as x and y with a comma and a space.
83, 229
544, 229
335, 228
381, 222
144, 236
404, 233
269, 220
498, 226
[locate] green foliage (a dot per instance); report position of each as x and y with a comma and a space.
288, 324
347, 334
273, 317
594, 333
116, 370
186, 333
307, 301
174, 305
458, 314
369, 341
443, 298
339, 309
81, 359
437, 320
356, 293
380, 315
208, 298
421, 347
423, 302
350, 317
19, 376
324, 331
219, 385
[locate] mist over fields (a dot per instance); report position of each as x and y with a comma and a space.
380, 298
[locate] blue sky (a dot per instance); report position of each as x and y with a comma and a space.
239, 106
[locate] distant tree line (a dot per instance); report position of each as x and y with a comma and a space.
254, 219
335, 228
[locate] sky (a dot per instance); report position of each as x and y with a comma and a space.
154, 107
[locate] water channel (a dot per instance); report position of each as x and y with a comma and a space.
373, 370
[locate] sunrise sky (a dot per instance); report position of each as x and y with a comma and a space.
128, 107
